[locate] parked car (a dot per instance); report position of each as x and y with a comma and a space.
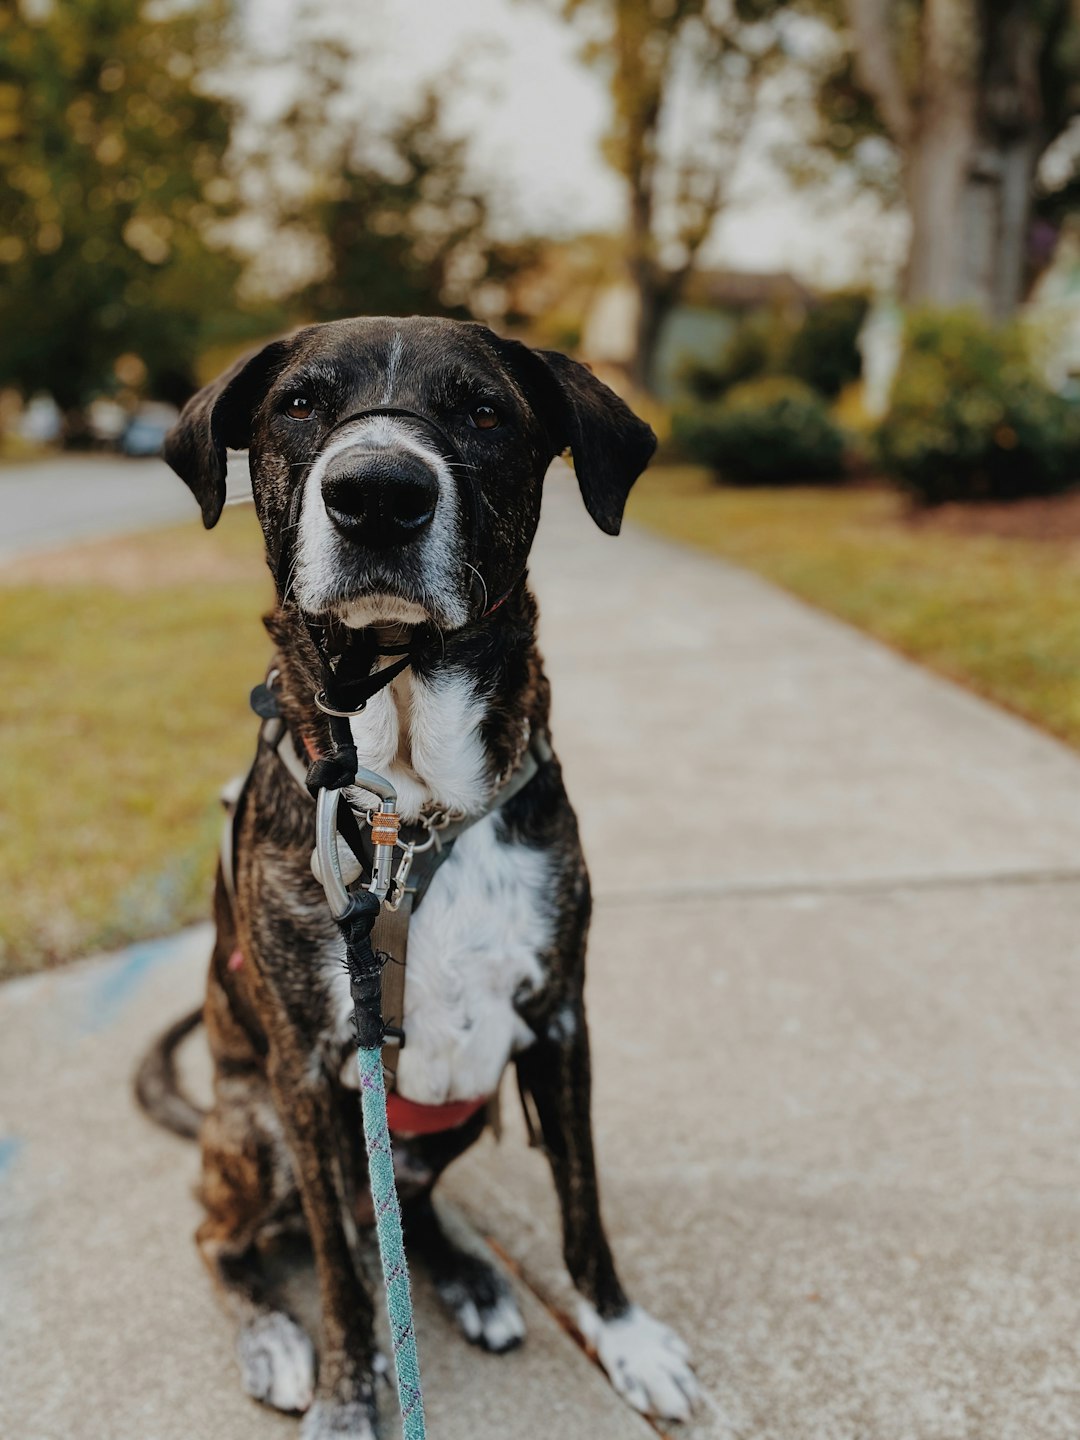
146, 430
41, 422
106, 421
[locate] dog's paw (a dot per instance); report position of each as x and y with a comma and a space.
277, 1362
484, 1306
645, 1360
334, 1420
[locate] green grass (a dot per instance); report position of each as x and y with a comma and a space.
123, 708
1001, 616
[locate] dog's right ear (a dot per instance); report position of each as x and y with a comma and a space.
218, 418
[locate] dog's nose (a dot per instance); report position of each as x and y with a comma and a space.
380, 498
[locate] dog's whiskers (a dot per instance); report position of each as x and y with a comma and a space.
483, 582
287, 588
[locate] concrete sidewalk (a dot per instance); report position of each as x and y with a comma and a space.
835, 1049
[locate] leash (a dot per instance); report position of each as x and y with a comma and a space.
356, 913
386, 904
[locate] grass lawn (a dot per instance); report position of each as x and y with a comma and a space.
1000, 615
124, 672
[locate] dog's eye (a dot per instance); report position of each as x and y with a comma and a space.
484, 417
299, 407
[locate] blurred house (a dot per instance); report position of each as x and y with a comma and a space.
697, 328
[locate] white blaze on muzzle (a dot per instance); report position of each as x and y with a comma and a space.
325, 574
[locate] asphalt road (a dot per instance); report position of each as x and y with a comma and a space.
46, 503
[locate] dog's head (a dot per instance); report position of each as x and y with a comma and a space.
397, 465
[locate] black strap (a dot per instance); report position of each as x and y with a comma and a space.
364, 967
338, 769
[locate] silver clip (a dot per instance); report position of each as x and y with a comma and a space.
401, 875
326, 831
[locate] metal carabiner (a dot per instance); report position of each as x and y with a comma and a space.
401, 874
326, 832
337, 893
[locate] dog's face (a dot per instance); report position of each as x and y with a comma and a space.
418, 517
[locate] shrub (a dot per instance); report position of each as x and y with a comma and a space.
774, 431
758, 345
971, 419
820, 349
824, 351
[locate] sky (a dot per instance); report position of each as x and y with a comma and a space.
535, 117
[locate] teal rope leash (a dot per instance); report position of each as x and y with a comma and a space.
355, 912
391, 1243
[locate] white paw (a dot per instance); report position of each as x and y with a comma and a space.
488, 1316
328, 1420
497, 1326
277, 1362
645, 1360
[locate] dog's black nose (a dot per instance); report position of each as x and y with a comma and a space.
380, 498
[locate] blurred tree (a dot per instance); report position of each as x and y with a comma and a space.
685, 77
971, 93
388, 212
111, 179
402, 237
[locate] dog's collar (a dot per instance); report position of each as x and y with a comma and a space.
277, 736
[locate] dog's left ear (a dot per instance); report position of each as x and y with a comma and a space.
216, 419
610, 445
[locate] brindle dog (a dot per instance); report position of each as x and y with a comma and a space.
397, 535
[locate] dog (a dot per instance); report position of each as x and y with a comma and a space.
397, 469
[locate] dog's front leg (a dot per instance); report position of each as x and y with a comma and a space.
645, 1360
344, 1407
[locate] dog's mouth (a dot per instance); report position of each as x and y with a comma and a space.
362, 592
380, 608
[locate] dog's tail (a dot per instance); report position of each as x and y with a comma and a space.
157, 1087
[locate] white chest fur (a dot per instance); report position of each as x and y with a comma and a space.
423, 735
473, 944
477, 938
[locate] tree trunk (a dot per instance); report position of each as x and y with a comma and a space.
971, 165
940, 151
655, 302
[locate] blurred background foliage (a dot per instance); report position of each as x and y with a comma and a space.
113, 181
770, 431
147, 209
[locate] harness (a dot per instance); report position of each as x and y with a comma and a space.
424, 845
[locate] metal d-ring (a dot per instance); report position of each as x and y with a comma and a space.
327, 709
